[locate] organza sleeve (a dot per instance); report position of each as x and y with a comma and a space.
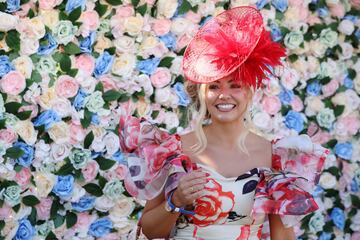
154, 158
286, 188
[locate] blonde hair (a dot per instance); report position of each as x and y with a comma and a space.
197, 94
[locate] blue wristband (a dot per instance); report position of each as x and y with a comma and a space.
177, 209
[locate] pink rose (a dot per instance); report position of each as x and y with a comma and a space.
356, 235
33, 108
110, 236
90, 170
161, 77
5, 212
150, 2
193, 17
271, 104
13, 83
23, 177
330, 88
48, 4
351, 123
108, 82
83, 220
90, 20
355, 4
24, 10
337, 10
85, 63
43, 208
183, 41
161, 26
296, 104
8, 136
296, 3
125, 11
121, 171
321, 137
313, 19
77, 133
66, 86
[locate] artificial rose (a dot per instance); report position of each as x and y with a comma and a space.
59, 132
13, 83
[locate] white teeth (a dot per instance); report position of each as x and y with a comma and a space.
225, 106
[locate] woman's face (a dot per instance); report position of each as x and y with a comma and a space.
226, 100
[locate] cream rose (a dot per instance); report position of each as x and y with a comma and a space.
46, 99
49, 17
166, 8
171, 120
26, 131
181, 25
134, 25
317, 48
314, 105
111, 141
123, 208
62, 106
124, 44
29, 46
7, 21
346, 27
262, 120
24, 65
103, 204
327, 180
44, 183
102, 43
60, 132
124, 65
59, 151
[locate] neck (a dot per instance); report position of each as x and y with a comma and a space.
224, 134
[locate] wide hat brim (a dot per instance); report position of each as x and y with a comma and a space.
222, 44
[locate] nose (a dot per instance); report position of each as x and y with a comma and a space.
224, 94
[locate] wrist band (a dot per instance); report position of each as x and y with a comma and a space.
177, 209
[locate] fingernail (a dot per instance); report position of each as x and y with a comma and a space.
207, 174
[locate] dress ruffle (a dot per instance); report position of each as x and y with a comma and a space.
156, 163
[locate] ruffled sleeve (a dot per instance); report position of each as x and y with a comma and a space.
153, 156
286, 188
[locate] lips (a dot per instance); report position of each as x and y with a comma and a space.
225, 107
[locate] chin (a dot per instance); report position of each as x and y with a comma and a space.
225, 118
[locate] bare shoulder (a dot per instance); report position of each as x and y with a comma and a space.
261, 147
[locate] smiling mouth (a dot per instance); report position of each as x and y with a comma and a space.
225, 107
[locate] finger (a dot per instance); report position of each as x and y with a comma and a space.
195, 188
197, 174
197, 195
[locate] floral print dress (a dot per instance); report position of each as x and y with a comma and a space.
233, 208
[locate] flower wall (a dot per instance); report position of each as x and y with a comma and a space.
69, 68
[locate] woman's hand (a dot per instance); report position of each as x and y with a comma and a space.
191, 186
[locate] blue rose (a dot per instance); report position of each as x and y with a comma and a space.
85, 203
47, 118
12, 5
352, 18
148, 66
86, 43
25, 230
357, 34
169, 40
348, 83
64, 186
26, 159
47, 45
325, 236
280, 5
276, 34
79, 100
318, 191
119, 157
95, 119
354, 186
344, 150
72, 4
286, 96
100, 227
103, 64
294, 120
5, 65
179, 89
323, 12
338, 217
261, 3
314, 88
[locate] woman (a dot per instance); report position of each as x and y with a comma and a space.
202, 185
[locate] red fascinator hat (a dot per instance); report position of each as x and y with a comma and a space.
233, 42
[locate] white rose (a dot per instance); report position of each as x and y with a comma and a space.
313, 66
123, 208
98, 145
314, 105
317, 48
26, 131
181, 25
62, 106
355, 222
166, 8
262, 120
124, 44
171, 120
49, 17
328, 37
357, 83
327, 180
133, 25
103, 204
144, 81
78, 193
24, 65
87, 83
176, 67
28, 46
60, 132
328, 203
290, 78
316, 223
111, 141
346, 27
273, 87
123, 225
7, 21
206, 8
124, 65
59, 151
328, 69
347, 50
42, 153
162, 95
44, 183
293, 40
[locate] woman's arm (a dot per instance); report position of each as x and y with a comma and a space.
278, 230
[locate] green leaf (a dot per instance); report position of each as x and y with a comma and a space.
71, 219
124, 98
135, 2
65, 169
355, 201
111, 95
18, 168
13, 40
338, 110
16, 207
85, 122
105, 163
72, 49
72, 72
51, 236
32, 216
184, 8
14, 152
3, 6
166, 62
24, 115
351, 73
325, 80
2, 123
65, 63
35, 76
102, 180
99, 87
100, 9
2, 35
2, 224
57, 56
142, 9
331, 143
30, 200
54, 208
93, 189
75, 14
88, 139
293, 58
59, 220
114, 2
12, 107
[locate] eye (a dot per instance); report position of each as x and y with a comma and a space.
213, 86
235, 85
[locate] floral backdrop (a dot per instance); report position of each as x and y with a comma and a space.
69, 68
